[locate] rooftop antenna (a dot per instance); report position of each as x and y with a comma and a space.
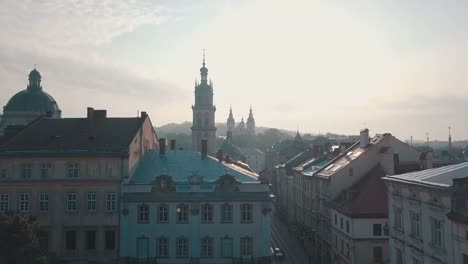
411, 140
427, 139
450, 138
138, 113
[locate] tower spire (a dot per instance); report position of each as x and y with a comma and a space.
204, 70
203, 57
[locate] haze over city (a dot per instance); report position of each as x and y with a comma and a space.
326, 66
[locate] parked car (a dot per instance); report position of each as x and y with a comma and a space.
278, 253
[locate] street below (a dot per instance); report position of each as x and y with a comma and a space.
281, 238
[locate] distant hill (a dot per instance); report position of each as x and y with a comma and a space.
184, 128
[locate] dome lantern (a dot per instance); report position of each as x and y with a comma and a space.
34, 80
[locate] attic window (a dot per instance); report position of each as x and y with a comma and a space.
350, 153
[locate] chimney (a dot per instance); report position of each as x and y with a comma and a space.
173, 144
162, 146
204, 147
428, 160
343, 148
143, 115
100, 114
364, 138
90, 113
220, 155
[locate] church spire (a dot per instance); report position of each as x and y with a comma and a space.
231, 123
204, 70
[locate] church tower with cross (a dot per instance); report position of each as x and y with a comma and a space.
203, 126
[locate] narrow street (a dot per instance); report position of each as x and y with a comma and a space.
281, 238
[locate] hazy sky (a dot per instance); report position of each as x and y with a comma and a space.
392, 66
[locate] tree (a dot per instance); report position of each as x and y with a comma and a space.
19, 239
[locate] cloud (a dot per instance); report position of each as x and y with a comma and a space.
62, 38
61, 24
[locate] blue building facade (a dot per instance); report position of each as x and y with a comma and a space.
186, 207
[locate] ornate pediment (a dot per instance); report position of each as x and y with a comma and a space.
163, 183
195, 179
227, 183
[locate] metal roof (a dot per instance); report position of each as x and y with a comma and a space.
180, 164
352, 153
439, 177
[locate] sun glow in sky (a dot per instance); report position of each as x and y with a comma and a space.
337, 66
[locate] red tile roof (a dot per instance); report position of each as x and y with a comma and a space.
365, 199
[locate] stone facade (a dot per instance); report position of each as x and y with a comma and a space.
74, 190
423, 223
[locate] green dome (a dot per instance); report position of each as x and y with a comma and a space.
33, 99
230, 149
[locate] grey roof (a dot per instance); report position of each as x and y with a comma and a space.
439, 177
77, 135
355, 151
180, 164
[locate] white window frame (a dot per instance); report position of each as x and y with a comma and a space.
24, 199
72, 202
162, 250
246, 213
26, 170
143, 214
182, 247
226, 213
206, 247
163, 213
45, 172
207, 213
43, 201
73, 170
111, 201
4, 202
182, 213
91, 198
246, 246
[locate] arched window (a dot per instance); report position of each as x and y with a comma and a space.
182, 211
206, 247
207, 213
143, 213
182, 247
226, 213
162, 249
